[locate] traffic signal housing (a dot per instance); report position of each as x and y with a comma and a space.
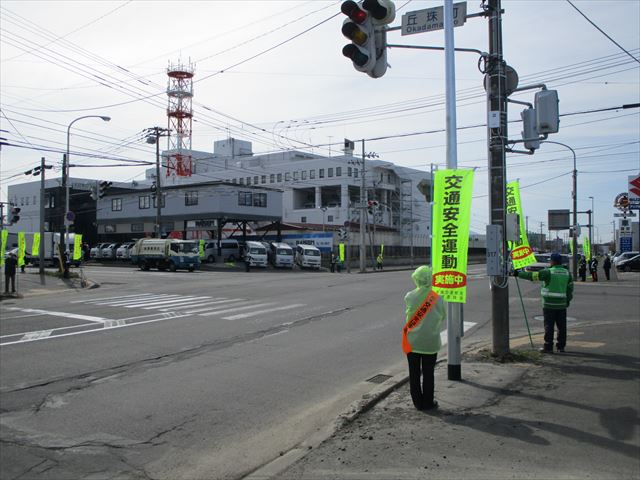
103, 187
15, 217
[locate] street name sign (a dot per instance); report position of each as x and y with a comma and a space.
430, 19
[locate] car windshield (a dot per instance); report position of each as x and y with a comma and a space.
187, 247
257, 250
283, 251
543, 258
312, 253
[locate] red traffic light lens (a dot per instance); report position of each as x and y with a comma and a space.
351, 10
357, 57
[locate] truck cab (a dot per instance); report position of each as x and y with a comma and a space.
281, 255
256, 253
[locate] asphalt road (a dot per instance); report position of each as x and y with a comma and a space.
195, 375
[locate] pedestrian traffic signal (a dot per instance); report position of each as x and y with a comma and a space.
14, 218
103, 187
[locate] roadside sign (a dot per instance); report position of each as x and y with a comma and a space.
634, 192
628, 214
430, 19
626, 243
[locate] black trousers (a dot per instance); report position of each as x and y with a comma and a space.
555, 318
607, 273
11, 277
421, 383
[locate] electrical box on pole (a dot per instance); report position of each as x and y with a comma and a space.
494, 251
547, 112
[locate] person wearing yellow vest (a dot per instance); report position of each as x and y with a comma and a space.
379, 260
425, 314
556, 293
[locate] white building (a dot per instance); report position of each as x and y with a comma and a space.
320, 191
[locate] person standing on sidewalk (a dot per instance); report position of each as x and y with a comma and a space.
557, 293
425, 313
606, 265
10, 264
583, 269
593, 269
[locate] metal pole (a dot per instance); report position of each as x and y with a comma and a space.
41, 247
348, 242
592, 221
63, 227
454, 330
497, 135
590, 235
411, 222
363, 201
158, 189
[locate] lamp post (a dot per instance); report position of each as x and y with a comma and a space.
574, 196
324, 210
65, 180
153, 137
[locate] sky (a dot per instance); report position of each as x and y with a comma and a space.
272, 72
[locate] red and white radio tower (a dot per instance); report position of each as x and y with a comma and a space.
180, 114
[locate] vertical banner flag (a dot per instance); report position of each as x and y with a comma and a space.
382, 249
77, 247
451, 217
35, 247
341, 250
5, 234
571, 246
587, 248
521, 253
22, 244
201, 249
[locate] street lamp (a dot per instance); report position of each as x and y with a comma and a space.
324, 210
65, 179
574, 195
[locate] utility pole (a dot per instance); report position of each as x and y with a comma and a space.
542, 246
363, 202
497, 135
42, 240
153, 136
589, 212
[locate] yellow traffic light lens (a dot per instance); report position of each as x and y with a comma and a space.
359, 37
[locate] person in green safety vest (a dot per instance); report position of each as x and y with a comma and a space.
425, 314
379, 260
556, 293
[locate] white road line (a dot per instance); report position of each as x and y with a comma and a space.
248, 307
118, 302
36, 335
141, 301
5, 318
121, 297
22, 334
89, 318
228, 302
261, 312
201, 304
176, 302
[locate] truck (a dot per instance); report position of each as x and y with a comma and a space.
166, 253
50, 241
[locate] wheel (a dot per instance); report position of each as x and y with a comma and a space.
172, 266
144, 266
211, 259
191, 269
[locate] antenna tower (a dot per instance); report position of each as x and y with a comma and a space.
180, 115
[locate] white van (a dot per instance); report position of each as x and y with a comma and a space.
281, 255
257, 254
230, 250
307, 256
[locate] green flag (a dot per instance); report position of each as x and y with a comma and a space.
587, 248
571, 246
35, 247
451, 217
22, 244
341, 250
521, 253
5, 234
77, 247
201, 244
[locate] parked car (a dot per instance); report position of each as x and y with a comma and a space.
629, 265
109, 252
624, 256
230, 250
210, 251
308, 256
96, 252
124, 251
281, 255
257, 254
543, 260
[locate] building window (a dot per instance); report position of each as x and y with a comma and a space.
348, 171
303, 174
272, 178
321, 173
329, 218
388, 178
22, 201
245, 199
303, 219
34, 200
51, 201
287, 176
312, 174
242, 181
255, 180
144, 202
279, 178
330, 172
234, 180
137, 227
116, 204
190, 198
26, 201
248, 182
338, 171
295, 175
355, 173
263, 179
259, 199
162, 201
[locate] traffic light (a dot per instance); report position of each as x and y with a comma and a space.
547, 115
103, 187
372, 206
529, 130
365, 27
14, 218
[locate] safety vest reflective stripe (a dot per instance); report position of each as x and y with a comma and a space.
535, 276
546, 293
416, 319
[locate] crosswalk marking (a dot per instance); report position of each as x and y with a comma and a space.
212, 301
247, 307
120, 297
262, 312
117, 303
176, 302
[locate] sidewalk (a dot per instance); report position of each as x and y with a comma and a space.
572, 415
30, 283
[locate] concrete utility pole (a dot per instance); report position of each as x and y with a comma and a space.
363, 202
541, 241
592, 221
153, 136
497, 136
42, 240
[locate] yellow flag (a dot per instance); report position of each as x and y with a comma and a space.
587, 248
341, 250
77, 247
521, 253
35, 247
5, 234
201, 249
21, 248
450, 244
